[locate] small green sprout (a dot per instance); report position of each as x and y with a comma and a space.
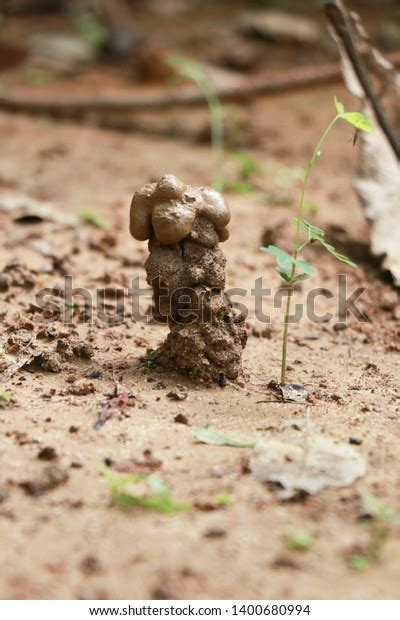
359, 562
223, 499
248, 170
5, 396
299, 540
95, 219
158, 497
290, 267
379, 519
92, 31
193, 71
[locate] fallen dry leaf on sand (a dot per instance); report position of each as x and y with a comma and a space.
377, 179
305, 461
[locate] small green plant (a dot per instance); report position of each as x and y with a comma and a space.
191, 70
299, 540
291, 268
379, 520
92, 31
224, 498
157, 497
248, 170
5, 396
93, 218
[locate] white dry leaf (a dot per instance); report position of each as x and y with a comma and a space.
306, 462
377, 179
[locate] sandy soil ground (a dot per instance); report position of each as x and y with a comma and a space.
69, 542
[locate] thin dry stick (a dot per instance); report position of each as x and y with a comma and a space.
340, 21
25, 100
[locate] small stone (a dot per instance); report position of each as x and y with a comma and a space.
355, 441
50, 478
82, 387
339, 327
90, 565
389, 300
215, 532
181, 419
47, 454
83, 349
5, 282
178, 393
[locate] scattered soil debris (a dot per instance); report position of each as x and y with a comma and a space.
47, 454
51, 477
178, 393
180, 418
115, 405
295, 393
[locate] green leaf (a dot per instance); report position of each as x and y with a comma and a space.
373, 506
158, 487
286, 264
158, 500
307, 268
314, 233
248, 165
92, 30
215, 438
317, 234
92, 218
339, 106
299, 540
5, 396
285, 275
223, 498
119, 481
301, 277
341, 257
358, 120
283, 258
161, 504
359, 562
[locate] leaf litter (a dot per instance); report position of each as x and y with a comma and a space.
215, 438
305, 462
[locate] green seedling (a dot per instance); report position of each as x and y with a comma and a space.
190, 70
86, 215
299, 540
379, 520
291, 268
248, 170
5, 396
92, 31
158, 496
223, 499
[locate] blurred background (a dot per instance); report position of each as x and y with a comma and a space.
88, 47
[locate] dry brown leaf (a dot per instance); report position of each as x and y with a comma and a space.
307, 462
377, 179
